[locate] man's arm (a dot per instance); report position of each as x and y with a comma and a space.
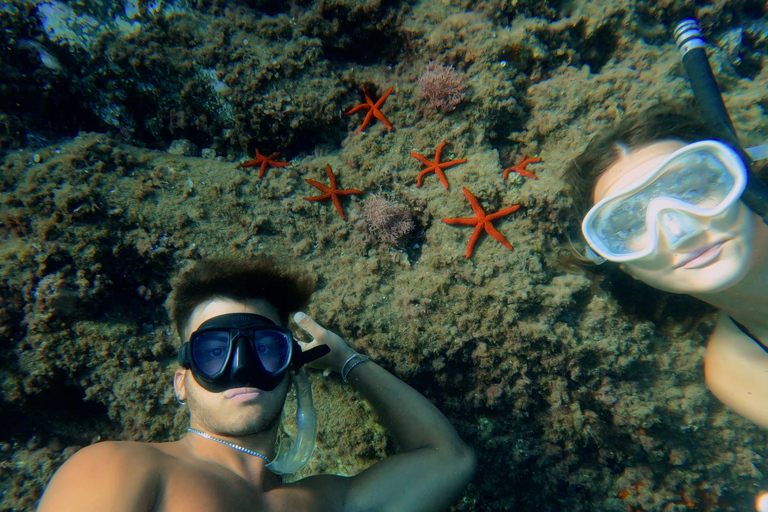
434, 464
104, 476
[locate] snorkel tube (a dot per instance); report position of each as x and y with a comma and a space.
691, 44
294, 455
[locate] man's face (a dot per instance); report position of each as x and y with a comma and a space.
234, 412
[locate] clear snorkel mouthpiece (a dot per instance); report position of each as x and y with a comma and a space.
294, 455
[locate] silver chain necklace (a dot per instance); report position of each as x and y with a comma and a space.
231, 445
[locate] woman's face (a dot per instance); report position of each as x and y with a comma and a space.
713, 258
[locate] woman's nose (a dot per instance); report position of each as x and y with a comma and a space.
678, 227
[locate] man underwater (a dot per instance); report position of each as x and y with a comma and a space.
238, 361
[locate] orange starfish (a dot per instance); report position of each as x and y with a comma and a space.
520, 169
436, 166
264, 161
331, 192
482, 222
373, 110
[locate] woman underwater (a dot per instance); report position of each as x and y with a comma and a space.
660, 196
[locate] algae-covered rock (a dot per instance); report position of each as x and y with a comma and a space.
574, 394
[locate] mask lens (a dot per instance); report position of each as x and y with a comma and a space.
272, 349
698, 179
210, 350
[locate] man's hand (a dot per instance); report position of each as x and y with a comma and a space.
339, 353
433, 464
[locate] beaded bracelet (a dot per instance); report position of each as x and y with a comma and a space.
360, 359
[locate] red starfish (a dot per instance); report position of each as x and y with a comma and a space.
520, 169
436, 166
331, 192
264, 161
373, 110
481, 221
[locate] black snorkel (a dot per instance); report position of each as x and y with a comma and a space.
710, 102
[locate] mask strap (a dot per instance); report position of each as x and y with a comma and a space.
594, 257
758, 152
300, 358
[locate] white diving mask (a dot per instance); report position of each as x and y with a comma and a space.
702, 179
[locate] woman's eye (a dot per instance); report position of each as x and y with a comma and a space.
216, 352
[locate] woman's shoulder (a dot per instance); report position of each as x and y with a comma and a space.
734, 370
732, 354
729, 333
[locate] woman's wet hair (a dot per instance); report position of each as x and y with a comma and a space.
669, 121
242, 280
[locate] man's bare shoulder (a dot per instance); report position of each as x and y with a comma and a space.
104, 474
117, 456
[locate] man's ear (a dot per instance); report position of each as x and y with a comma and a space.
180, 384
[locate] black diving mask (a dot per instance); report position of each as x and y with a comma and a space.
243, 350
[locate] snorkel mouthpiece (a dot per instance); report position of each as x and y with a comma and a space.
292, 455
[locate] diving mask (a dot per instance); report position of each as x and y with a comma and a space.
702, 179
243, 350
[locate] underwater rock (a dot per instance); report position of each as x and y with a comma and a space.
183, 147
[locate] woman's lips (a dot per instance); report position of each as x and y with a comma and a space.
705, 258
242, 394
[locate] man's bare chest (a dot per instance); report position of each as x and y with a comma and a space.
188, 490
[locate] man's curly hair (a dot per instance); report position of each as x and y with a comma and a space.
239, 279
